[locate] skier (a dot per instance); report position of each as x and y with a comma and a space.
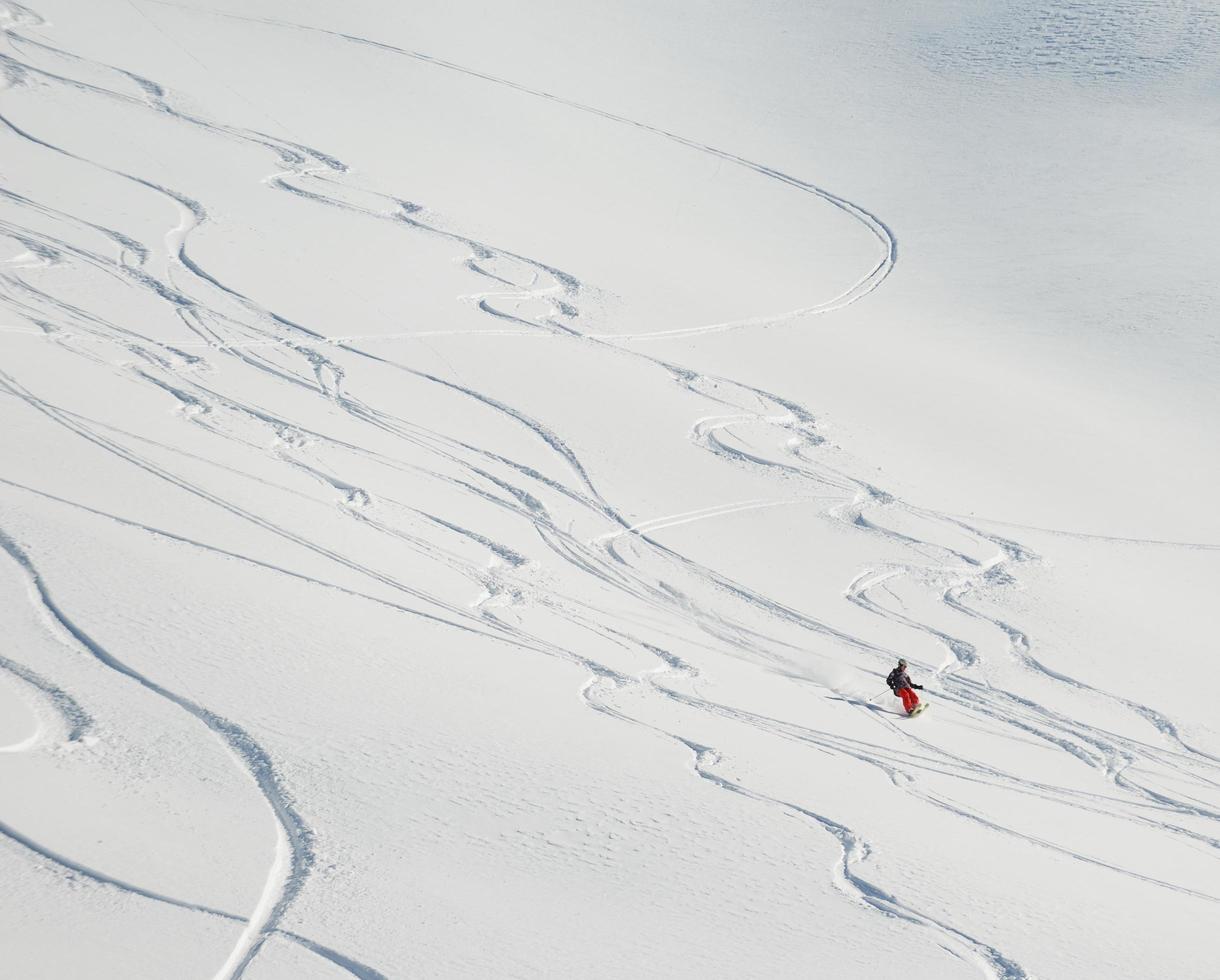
900, 683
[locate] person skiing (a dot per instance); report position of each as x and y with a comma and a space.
900, 683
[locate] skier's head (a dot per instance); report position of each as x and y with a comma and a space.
901, 662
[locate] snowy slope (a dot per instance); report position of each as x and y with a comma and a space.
466, 472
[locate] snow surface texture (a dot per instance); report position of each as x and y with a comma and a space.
466, 473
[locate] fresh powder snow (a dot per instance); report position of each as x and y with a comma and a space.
467, 471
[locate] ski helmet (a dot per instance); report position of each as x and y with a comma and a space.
901, 662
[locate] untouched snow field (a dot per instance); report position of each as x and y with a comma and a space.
466, 471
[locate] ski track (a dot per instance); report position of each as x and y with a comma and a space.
75, 721
294, 852
74, 869
876, 228
749, 428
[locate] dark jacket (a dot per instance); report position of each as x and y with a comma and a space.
899, 679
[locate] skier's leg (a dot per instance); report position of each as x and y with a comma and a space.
908, 699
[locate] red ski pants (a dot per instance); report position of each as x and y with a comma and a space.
909, 699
